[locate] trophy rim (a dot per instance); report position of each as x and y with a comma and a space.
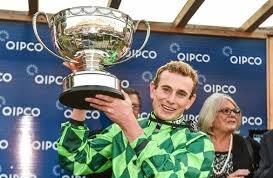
55, 15
120, 32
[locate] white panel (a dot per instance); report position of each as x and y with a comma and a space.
226, 13
55, 6
152, 10
14, 5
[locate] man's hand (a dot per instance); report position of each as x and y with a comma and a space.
119, 111
71, 66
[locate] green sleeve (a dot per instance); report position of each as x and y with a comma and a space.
78, 153
192, 159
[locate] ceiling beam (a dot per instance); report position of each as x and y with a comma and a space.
114, 3
187, 12
158, 27
258, 17
202, 30
14, 15
32, 6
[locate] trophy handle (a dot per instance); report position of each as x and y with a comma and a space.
34, 25
144, 43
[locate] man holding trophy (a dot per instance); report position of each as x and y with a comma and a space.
161, 145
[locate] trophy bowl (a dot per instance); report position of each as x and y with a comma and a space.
93, 38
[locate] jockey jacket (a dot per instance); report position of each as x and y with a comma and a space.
167, 149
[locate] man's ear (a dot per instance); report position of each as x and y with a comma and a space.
152, 90
191, 101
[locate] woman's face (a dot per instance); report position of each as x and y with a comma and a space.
227, 118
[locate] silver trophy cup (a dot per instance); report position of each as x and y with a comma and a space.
93, 38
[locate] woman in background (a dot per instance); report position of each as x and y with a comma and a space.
220, 117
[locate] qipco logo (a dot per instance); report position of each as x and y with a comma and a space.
143, 114
89, 114
215, 88
21, 45
44, 145
59, 172
191, 57
252, 120
202, 79
144, 54
191, 117
4, 144
17, 176
246, 60
147, 76
5, 77
21, 111
125, 83
48, 79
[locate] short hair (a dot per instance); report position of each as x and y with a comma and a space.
178, 67
131, 91
210, 108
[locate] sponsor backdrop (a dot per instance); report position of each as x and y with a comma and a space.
31, 81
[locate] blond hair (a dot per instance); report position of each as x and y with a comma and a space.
181, 68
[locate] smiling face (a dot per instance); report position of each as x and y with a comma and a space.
172, 95
227, 118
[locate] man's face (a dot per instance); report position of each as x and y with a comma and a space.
135, 104
172, 95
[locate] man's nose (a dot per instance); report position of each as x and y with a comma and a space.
171, 97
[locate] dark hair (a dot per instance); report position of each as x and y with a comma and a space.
131, 91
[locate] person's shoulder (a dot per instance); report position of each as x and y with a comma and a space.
268, 133
239, 140
267, 136
201, 140
237, 136
196, 135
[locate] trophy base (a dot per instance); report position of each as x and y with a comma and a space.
84, 84
75, 97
